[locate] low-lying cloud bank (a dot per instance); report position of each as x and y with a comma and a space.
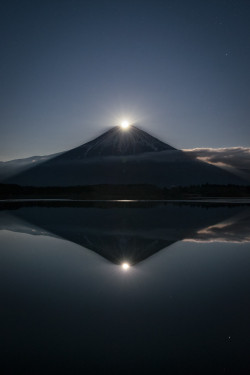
236, 158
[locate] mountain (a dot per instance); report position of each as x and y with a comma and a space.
124, 157
118, 142
13, 167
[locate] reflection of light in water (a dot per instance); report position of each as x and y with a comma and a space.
126, 200
125, 266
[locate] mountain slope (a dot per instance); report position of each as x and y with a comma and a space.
117, 142
124, 157
13, 167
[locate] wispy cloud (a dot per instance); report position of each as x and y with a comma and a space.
236, 158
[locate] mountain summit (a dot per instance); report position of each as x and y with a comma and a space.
126, 157
117, 142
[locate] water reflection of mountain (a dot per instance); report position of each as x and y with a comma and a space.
131, 233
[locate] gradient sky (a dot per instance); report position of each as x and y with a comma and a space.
70, 69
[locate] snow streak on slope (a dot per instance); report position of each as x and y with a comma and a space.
116, 142
124, 157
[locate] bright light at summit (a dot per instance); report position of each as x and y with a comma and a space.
125, 124
125, 266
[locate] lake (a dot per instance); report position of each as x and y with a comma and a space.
180, 306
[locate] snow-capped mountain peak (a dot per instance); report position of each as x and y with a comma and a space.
118, 141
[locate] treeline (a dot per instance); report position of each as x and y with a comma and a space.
146, 192
208, 191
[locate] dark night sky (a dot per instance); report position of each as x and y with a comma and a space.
70, 69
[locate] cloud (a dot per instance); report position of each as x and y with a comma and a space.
232, 158
237, 157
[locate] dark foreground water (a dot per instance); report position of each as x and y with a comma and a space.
68, 305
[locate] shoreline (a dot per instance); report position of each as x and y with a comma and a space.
9, 203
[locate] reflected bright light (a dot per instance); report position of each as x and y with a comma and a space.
125, 266
125, 124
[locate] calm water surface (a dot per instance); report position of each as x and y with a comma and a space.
68, 306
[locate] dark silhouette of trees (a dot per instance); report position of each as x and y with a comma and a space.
141, 192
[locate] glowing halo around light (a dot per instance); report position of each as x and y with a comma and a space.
125, 125
125, 266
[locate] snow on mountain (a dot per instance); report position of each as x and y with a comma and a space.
12, 167
124, 157
116, 142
